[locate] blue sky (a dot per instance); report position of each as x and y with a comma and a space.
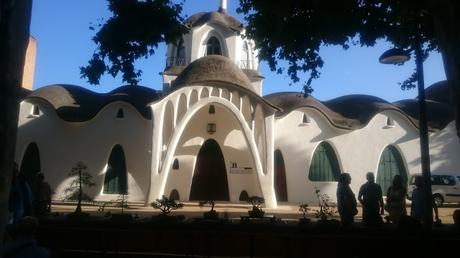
64, 44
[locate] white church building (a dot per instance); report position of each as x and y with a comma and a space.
211, 135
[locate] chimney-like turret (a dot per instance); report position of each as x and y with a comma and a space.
223, 6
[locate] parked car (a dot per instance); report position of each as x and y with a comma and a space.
445, 188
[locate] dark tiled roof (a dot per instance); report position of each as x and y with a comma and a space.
212, 68
355, 111
221, 18
439, 92
438, 114
76, 104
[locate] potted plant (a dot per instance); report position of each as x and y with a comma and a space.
304, 208
212, 214
256, 211
75, 190
166, 205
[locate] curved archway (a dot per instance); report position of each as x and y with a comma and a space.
280, 178
115, 181
30, 164
210, 176
391, 163
324, 165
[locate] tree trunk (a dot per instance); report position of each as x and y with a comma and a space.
14, 36
447, 24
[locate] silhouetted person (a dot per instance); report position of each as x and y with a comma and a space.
346, 201
396, 199
20, 199
42, 196
417, 208
418, 205
370, 197
23, 244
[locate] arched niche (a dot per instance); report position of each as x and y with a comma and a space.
30, 165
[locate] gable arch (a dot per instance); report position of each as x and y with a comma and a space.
179, 129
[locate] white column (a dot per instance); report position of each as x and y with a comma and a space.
267, 180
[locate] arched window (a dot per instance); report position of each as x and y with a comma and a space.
120, 113
174, 195
245, 57
212, 109
390, 122
213, 47
175, 165
244, 197
324, 165
35, 111
305, 119
390, 164
180, 54
115, 175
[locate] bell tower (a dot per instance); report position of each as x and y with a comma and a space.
213, 33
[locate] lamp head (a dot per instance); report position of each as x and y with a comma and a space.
394, 56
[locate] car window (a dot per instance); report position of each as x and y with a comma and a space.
436, 180
448, 180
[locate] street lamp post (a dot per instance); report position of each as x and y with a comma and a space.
396, 56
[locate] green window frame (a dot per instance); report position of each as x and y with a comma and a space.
391, 163
324, 165
115, 181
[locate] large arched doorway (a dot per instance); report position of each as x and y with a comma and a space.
115, 175
280, 178
210, 176
30, 165
390, 164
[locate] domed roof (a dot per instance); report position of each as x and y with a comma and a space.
213, 69
77, 104
439, 92
221, 18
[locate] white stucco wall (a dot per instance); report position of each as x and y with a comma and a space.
62, 144
358, 151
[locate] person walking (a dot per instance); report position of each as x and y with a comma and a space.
417, 207
396, 200
370, 197
346, 201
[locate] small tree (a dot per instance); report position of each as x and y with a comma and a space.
122, 202
81, 179
256, 211
212, 214
304, 208
166, 205
326, 209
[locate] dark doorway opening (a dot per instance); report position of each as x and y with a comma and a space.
30, 165
280, 178
210, 176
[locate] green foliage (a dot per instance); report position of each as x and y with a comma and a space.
326, 209
134, 31
296, 30
166, 205
304, 208
81, 179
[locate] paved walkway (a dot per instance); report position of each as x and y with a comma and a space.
231, 210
